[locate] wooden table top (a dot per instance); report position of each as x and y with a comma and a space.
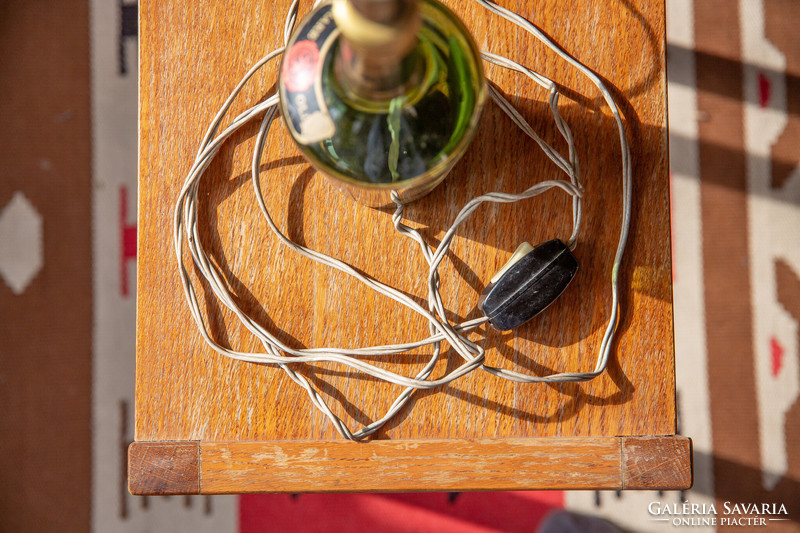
198, 413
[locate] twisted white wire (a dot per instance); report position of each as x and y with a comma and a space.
440, 329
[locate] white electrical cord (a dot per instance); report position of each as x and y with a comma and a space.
440, 329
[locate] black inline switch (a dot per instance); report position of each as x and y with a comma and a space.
530, 281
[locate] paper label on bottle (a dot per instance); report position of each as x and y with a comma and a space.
301, 77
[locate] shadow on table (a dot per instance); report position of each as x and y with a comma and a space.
599, 153
487, 167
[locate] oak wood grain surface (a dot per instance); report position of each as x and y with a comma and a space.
412, 465
164, 468
192, 54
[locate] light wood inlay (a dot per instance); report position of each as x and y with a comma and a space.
434, 465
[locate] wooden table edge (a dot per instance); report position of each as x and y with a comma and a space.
661, 462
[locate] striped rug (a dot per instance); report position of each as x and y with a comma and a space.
68, 259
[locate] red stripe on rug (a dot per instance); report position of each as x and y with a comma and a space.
468, 512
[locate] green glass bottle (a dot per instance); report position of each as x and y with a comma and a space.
382, 95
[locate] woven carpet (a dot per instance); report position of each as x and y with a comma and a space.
68, 258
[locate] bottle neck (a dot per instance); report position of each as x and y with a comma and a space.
377, 59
